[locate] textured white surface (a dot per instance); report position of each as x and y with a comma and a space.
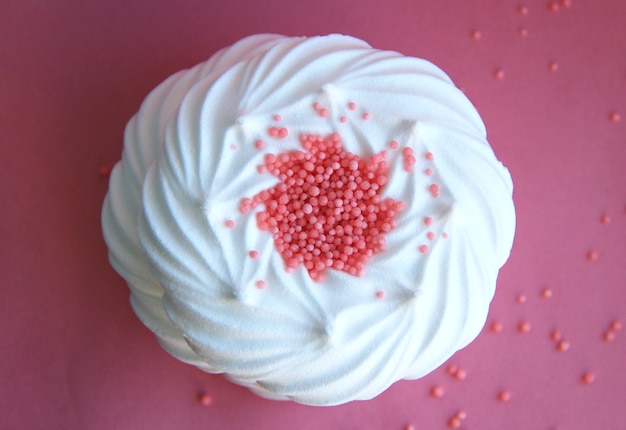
191, 278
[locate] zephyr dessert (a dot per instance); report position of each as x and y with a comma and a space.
312, 217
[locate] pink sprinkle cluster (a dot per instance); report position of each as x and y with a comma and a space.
327, 211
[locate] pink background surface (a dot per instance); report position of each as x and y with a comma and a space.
72, 353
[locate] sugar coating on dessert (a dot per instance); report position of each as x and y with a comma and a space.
240, 268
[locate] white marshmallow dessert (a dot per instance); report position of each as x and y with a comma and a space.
315, 218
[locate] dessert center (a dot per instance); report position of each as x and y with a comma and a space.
326, 212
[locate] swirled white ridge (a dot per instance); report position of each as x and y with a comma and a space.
190, 157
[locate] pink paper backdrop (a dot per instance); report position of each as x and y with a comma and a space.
74, 356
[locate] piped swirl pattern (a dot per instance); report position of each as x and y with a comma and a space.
184, 230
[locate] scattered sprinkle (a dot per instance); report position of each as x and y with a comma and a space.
437, 391
608, 336
588, 378
554, 6
104, 171
504, 396
229, 223
497, 327
454, 423
547, 293
615, 117
524, 327
562, 346
592, 256
205, 399
460, 374
605, 219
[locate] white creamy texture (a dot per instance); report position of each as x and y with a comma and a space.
190, 157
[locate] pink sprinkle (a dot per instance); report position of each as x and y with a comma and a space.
615, 117
343, 119
562, 346
283, 132
504, 396
428, 171
592, 256
254, 254
273, 131
429, 156
324, 113
588, 378
437, 391
454, 423
546, 293
475, 34
566, 3
393, 144
444, 235
434, 190
277, 117
423, 249
380, 294
460, 374
104, 171
616, 325
521, 298
524, 327
523, 31
554, 6
428, 221
497, 327
523, 10
498, 74
205, 399
352, 106
319, 218
367, 116
553, 66
317, 106
259, 144
229, 223
430, 235
461, 415
605, 219
233, 147
260, 284
608, 336
556, 335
